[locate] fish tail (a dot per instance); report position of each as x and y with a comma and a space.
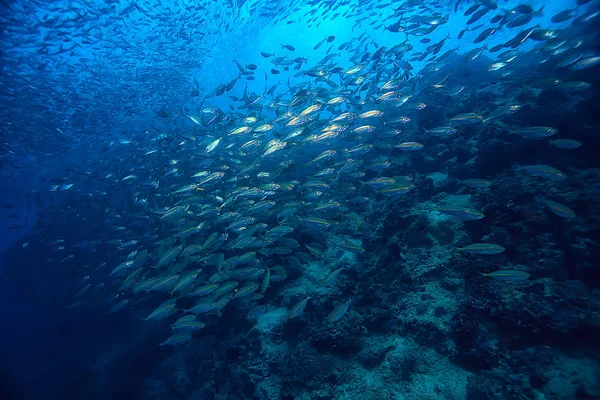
540, 12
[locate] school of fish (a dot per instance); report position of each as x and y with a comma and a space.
208, 195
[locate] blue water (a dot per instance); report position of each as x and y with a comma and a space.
110, 108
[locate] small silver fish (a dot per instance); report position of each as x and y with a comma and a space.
339, 311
